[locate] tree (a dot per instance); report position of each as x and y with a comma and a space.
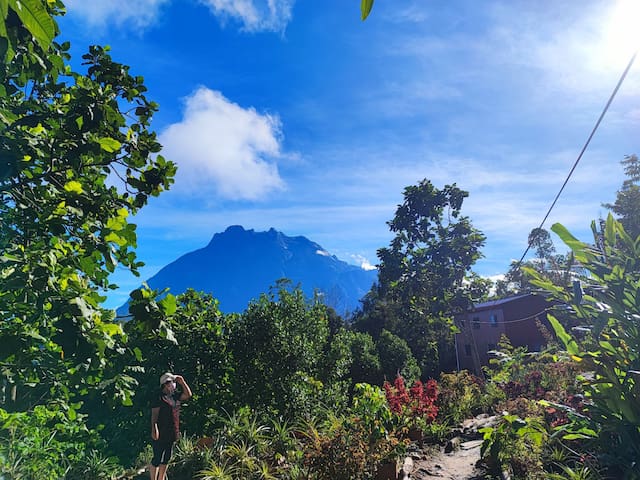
627, 204
422, 273
396, 358
540, 239
76, 161
277, 346
555, 267
197, 348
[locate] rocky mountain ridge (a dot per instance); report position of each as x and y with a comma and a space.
238, 265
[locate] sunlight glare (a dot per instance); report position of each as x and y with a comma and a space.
622, 34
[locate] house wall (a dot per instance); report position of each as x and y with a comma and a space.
526, 332
480, 333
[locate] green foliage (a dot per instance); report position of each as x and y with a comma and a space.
32, 16
196, 346
77, 160
371, 408
351, 359
396, 357
43, 444
246, 448
96, 466
365, 8
63, 228
189, 459
627, 204
353, 445
422, 275
611, 350
460, 396
515, 444
277, 346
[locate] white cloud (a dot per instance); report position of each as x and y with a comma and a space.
223, 149
363, 262
97, 13
254, 15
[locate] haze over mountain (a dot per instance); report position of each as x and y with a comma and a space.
238, 265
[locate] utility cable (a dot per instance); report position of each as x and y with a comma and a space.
584, 148
516, 320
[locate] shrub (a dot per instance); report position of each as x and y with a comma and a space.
349, 450
416, 406
45, 443
460, 396
515, 444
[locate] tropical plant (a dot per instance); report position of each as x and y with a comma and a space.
97, 466
610, 310
189, 458
460, 395
515, 444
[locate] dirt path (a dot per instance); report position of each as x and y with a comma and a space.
457, 460
460, 464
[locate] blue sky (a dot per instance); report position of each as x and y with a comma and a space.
296, 115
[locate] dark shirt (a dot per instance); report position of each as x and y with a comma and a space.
168, 416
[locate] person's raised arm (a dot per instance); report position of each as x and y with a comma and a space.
186, 391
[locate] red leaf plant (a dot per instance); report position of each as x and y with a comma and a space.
417, 403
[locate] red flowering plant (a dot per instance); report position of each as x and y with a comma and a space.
414, 407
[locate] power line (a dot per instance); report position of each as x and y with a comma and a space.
516, 320
584, 148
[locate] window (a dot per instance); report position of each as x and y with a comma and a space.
493, 320
476, 323
467, 350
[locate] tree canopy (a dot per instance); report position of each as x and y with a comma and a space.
422, 273
77, 160
627, 204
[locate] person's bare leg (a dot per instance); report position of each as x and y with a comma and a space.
153, 472
162, 469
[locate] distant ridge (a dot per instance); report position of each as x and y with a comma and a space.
238, 265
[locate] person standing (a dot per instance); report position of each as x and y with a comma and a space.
165, 421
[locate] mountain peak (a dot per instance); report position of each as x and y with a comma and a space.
238, 265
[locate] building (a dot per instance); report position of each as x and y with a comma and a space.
481, 328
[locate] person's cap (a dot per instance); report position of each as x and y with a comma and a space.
167, 377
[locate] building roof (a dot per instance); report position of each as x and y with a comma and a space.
502, 301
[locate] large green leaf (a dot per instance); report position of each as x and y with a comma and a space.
36, 19
576, 246
4, 9
569, 343
365, 8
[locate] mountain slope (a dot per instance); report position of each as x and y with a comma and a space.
238, 265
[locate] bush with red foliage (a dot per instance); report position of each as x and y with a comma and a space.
415, 403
